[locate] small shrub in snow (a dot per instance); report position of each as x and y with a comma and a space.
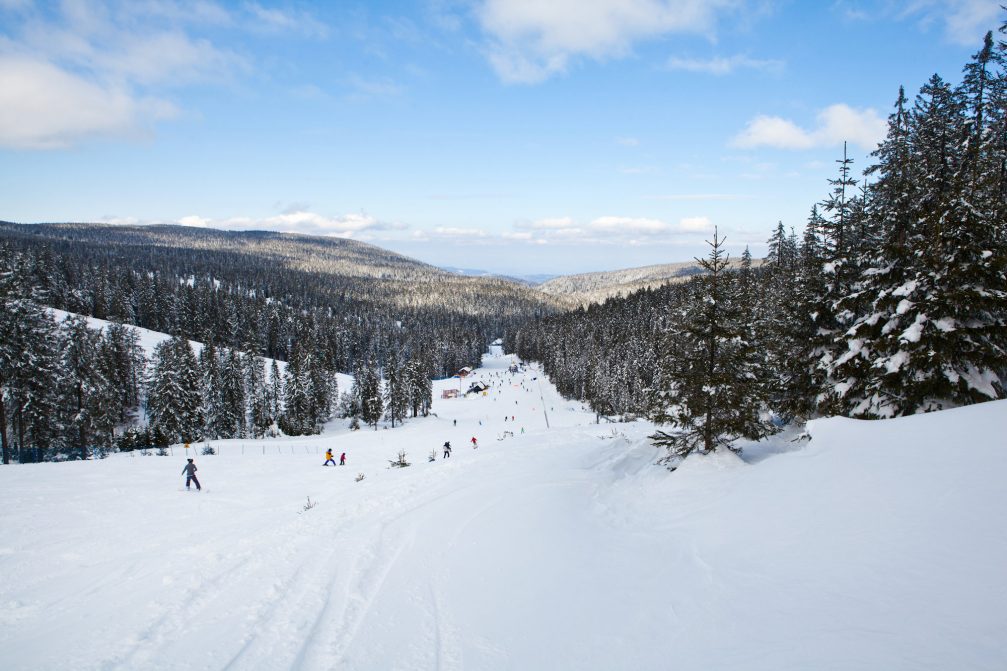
310, 504
401, 461
208, 449
360, 476
162, 451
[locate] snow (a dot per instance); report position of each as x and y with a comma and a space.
875, 545
906, 289
915, 330
149, 340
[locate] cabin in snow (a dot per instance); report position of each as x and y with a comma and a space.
464, 372
449, 393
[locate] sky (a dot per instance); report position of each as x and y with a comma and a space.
512, 136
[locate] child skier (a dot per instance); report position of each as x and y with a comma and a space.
190, 475
475, 443
329, 458
342, 459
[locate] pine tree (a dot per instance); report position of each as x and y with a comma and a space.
369, 389
396, 396
259, 418
711, 391
210, 392
232, 396
295, 416
175, 404
88, 403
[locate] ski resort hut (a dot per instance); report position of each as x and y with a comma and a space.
449, 393
464, 372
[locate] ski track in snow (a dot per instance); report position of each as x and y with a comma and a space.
560, 548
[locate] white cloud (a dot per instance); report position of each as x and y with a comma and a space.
457, 232
277, 20
612, 230
45, 107
550, 223
630, 225
628, 141
965, 21
724, 65
531, 40
100, 69
695, 224
303, 222
195, 221
835, 124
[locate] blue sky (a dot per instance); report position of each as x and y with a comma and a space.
516, 136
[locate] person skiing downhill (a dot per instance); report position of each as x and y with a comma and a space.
342, 459
190, 475
475, 443
329, 458
447, 449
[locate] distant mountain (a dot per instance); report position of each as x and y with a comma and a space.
274, 293
533, 280
588, 288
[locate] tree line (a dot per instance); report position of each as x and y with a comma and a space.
70, 391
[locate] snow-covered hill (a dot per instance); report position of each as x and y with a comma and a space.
873, 546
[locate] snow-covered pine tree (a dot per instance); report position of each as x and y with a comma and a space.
868, 358
296, 405
712, 394
174, 403
232, 396
258, 415
210, 391
396, 395
123, 363
319, 384
275, 390
833, 317
419, 385
371, 403
87, 401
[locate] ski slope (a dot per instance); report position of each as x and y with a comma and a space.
873, 546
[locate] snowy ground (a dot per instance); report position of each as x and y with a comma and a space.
875, 546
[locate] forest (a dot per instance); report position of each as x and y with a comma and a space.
322, 306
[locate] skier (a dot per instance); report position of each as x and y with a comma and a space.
329, 457
475, 443
342, 459
447, 449
190, 475
456, 422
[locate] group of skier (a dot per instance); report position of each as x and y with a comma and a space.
190, 468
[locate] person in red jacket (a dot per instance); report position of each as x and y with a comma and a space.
342, 459
475, 443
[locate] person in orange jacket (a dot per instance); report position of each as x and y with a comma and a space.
328, 458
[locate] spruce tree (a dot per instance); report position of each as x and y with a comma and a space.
712, 393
